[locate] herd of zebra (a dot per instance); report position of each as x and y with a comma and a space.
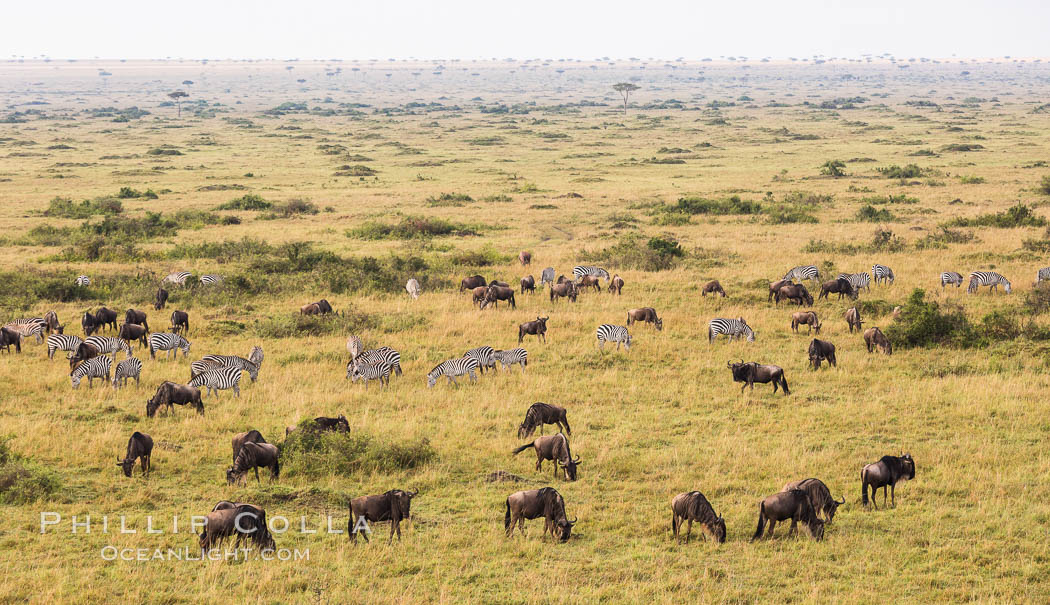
178, 278
883, 274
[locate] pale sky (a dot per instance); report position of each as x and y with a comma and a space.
543, 29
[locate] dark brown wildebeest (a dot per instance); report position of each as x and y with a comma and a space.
254, 456
245, 521
9, 337
134, 316
160, 299
499, 283
497, 293
885, 473
807, 318
241, 438
792, 504
540, 414
819, 350
84, 352
749, 373
819, 497
563, 290
130, 332
338, 424
838, 286
545, 502
89, 323
562, 279
616, 285
712, 287
645, 314
324, 306
105, 318
528, 284
310, 309
469, 283
51, 323
477, 295
180, 320
693, 506
525, 258
392, 506
590, 281
556, 449
793, 292
171, 393
873, 337
537, 328
775, 287
140, 447
853, 319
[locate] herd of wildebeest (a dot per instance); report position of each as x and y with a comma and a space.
808, 501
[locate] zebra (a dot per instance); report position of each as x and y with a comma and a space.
82, 281
413, 289
803, 272
485, 355
218, 379
168, 342
511, 357
256, 356
232, 361
379, 371
857, 280
611, 333
33, 326
580, 270
882, 273
354, 346
1043, 274
381, 355
178, 278
987, 278
730, 327
547, 277
109, 344
62, 342
951, 277
452, 368
208, 280
129, 368
96, 367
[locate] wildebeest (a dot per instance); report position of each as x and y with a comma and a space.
241, 438
477, 295
712, 287
253, 456
9, 337
749, 373
245, 521
853, 319
324, 306
556, 449
130, 332
795, 293
807, 318
528, 284
540, 414
310, 309
134, 316
645, 314
160, 299
791, 504
775, 287
563, 289
562, 279
89, 323
885, 473
51, 323
819, 497
469, 283
105, 318
180, 320
499, 283
590, 281
693, 506
171, 393
392, 506
545, 502
525, 258
819, 350
873, 337
537, 328
498, 293
84, 352
322, 424
616, 285
838, 286
140, 447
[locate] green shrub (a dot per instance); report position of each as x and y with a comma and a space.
63, 207
292, 208
164, 150
448, 199
925, 323
634, 252
872, 214
1044, 185
412, 227
900, 198
911, 171
248, 201
23, 481
308, 451
294, 325
486, 257
699, 205
354, 170
963, 147
126, 193
971, 180
833, 168
45, 235
1018, 215
782, 214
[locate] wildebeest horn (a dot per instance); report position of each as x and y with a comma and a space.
413, 494
574, 520
843, 500
577, 460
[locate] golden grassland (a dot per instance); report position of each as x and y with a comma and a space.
648, 424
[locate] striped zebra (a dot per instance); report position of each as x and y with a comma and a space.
803, 272
547, 277
610, 333
380, 371
354, 346
580, 270
987, 278
62, 342
82, 281
96, 367
381, 355
951, 277
512, 356
1042, 275
178, 278
452, 368
857, 280
882, 274
129, 368
168, 342
413, 289
218, 379
730, 327
231, 361
109, 344
208, 280
33, 326
486, 357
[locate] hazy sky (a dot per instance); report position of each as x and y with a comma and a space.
220, 29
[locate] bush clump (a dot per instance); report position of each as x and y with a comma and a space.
1018, 215
21, 480
292, 208
911, 171
872, 214
248, 201
635, 252
926, 323
1044, 186
63, 207
699, 205
411, 227
448, 199
127, 193
308, 451
782, 214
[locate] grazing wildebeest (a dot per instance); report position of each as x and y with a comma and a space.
562, 279
563, 289
749, 373
792, 504
819, 497
171, 393
819, 350
245, 521
556, 449
89, 323
499, 283
540, 414
160, 299
537, 328
838, 286
645, 314
180, 320
807, 318
105, 318
469, 283
616, 285
873, 337
51, 323
693, 506
9, 337
590, 281
528, 284
134, 316
793, 292
712, 287
392, 506
324, 306
775, 287
545, 502
853, 319
310, 309
253, 456
130, 332
241, 438
477, 295
498, 293
140, 447
338, 424
885, 473
525, 258
84, 352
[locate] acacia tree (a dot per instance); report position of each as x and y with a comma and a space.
178, 96
625, 89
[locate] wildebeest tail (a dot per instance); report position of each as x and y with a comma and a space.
864, 486
521, 449
276, 469
784, 384
710, 334
506, 516
761, 522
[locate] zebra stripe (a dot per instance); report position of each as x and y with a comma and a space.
207, 280
33, 326
166, 341
380, 371
951, 277
452, 368
413, 288
857, 280
1042, 275
486, 357
82, 281
882, 273
611, 333
547, 277
987, 278
730, 327
129, 368
378, 356
109, 344
178, 278
96, 367
232, 361
62, 342
580, 270
219, 379
802, 272
511, 357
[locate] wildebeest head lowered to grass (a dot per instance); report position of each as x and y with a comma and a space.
253, 456
140, 447
392, 506
540, 414
545, 502
171, 393
228, 519
750, 372
556, 449
792, 504
819, 496
885, 473
693, 506
820, 350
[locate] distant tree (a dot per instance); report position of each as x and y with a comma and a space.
178, 96
625, 89
833, 168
